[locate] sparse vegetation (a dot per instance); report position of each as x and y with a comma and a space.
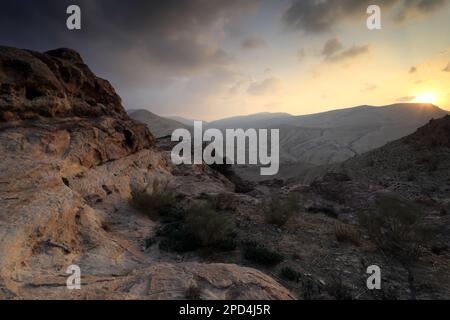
209, 228
347, 233
279, 211
258, 253
200, 227
395, 226
176, 238
159, 203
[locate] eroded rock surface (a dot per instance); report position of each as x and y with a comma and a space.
70, 158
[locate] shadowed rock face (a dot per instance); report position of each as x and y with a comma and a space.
41, 94
52, 84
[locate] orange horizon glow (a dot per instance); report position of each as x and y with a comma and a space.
427, 97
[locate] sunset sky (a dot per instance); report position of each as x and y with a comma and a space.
211, 59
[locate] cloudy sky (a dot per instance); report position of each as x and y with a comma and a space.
210, 59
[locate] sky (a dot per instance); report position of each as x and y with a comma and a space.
210, 59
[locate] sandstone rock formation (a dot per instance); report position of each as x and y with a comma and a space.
70, 158
54, 84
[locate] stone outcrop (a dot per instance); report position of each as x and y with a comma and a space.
55, 84
70, 158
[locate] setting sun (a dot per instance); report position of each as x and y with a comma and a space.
427, 97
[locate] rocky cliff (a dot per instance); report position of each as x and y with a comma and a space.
70, 158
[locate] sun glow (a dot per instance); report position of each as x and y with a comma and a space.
427, 97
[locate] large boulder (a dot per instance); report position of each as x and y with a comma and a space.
53, 84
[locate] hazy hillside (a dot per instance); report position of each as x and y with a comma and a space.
257, 120
159, 126
185, 121
415, 166
338, 135
342, 134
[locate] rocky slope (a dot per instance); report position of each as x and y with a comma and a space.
158, 126
415, 166
70, 159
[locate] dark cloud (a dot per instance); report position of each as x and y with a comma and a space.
141, 39
406, 99
270, 85
331, 47
429, 5
413, 70
253, 42
319, 16
419, 7
333, 51
350, 53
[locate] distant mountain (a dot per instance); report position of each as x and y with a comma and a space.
338, 135
250, 121
159, 126
185, 121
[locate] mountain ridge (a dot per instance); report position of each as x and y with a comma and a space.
159, 126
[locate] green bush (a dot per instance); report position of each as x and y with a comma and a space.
155, 205
210, 228
279, 211
260, 254
200, 227
395, 225
176, 238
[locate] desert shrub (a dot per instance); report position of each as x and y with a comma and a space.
279, 211
177, 238
200, 227
395, 225
258, 253
347, 233
193, 292
210, 228
155, 205
289, 274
